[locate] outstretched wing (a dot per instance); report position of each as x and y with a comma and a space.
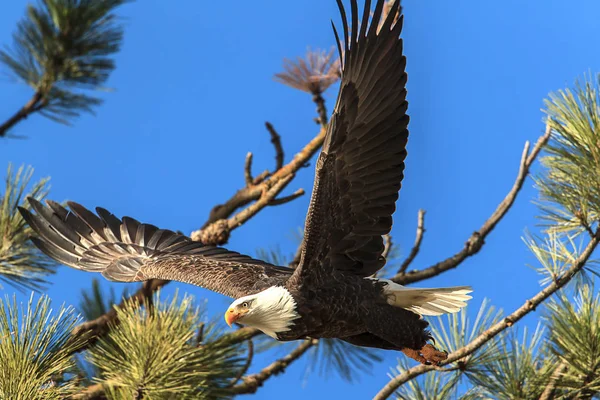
360, 168
129, 251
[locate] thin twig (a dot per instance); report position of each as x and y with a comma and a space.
247, 195
251, 383
548, 393
265, 200
321, 109
92, 392
417, 246
33, 105
477, 239
248, 170
200, 335
276, 140
286, 199
505, 323
387, 245
261, 177
246, 366
297, 256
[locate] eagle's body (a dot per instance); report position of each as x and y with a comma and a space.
330, 294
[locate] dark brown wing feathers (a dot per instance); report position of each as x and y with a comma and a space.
360, 168
128, 251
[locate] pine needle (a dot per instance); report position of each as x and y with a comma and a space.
35, 349
152, 354
21, 264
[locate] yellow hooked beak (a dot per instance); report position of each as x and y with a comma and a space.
231, 316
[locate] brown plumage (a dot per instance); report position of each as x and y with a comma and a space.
358, 176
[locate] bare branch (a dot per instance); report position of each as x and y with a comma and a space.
251, 383
417, 246
247, 195
248, 170
477, 239
321, 109
200, 335
262, 176
276, 140
264, 200
287, 199
35, 104
548, 393
507, 322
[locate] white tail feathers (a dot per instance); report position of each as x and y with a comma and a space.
436, 301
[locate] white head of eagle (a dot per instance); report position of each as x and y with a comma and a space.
272, 311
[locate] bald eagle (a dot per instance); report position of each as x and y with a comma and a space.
331, 293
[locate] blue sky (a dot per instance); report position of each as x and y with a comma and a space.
194, 86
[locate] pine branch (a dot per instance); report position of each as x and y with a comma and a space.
548, 393
97, 328
32, 106
59, 47
92, 392
417, 246
154, 350
251, 383
573, 337
477, 239
499, 327
22, 265
34, 349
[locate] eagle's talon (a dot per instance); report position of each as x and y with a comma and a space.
432, 355
414, 354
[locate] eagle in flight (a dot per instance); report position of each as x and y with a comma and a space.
331, 293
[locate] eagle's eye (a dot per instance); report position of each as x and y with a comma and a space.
245, 305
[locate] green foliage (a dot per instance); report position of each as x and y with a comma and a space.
35, 350
575, 339
61, 47
556, 253
458, 331
451, 335
95, 303
151, 354
520, 370
274, 256
347, 360
570, 185
21, 263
